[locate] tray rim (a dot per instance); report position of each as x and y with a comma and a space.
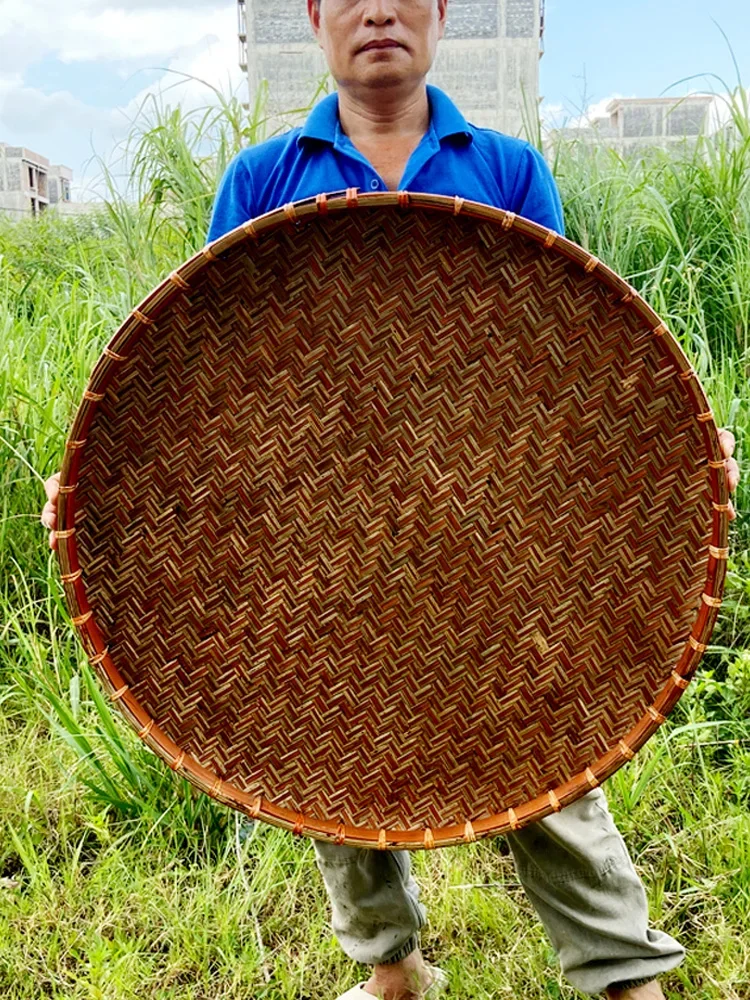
83, 615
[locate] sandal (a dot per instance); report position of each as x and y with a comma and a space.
436, 988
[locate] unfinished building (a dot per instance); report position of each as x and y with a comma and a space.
488, 61
634, 124
29, 184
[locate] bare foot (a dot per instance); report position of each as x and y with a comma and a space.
405, 980
649, 991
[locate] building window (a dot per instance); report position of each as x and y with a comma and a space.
31, 178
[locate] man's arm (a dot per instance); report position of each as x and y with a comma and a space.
234, 200
535, 194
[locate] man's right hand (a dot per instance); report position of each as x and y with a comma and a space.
49, 514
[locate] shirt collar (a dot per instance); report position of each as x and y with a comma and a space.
322, 121
445, 118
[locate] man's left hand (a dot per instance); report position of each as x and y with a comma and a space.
727, 443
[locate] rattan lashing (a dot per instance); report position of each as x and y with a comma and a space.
395, 520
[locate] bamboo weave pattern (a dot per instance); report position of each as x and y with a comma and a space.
396, 519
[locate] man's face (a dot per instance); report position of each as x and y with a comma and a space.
378, 43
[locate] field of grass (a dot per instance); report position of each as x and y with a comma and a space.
116, 880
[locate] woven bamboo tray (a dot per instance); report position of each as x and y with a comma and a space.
395, 520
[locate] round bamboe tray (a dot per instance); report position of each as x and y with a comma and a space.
395, 520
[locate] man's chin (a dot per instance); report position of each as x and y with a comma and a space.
386, 77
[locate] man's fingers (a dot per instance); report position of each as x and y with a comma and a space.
49, 515
733, 474
727, 442
52, 487
49, 511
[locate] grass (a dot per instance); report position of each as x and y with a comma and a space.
116, 879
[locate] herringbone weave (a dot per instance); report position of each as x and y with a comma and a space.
392, 524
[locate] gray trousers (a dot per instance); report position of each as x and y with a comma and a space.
575, 869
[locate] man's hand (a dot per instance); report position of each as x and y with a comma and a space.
727, 443
49, 514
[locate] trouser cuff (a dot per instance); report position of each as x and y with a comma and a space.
411, 945
630, 984
628, 975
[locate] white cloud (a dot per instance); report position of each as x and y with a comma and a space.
195, 38
18, 49
597, 110
565, 116
213, 60
87, 30
34, 111
117, 34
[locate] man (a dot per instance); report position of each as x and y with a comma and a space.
385, 129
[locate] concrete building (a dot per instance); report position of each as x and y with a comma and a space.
633, 124
488, 61
29, 184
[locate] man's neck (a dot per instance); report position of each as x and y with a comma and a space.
381, 115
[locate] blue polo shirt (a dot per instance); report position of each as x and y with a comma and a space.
453, 158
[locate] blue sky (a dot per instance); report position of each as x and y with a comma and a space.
640, 48
73, 74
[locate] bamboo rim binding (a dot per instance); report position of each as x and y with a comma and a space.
180, 286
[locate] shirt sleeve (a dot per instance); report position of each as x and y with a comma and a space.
535, 194
234, 200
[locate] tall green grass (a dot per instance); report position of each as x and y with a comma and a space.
118, 880
677, 225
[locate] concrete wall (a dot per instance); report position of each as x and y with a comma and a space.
60, 178
488, 61
686, 119
15, 204
659, 121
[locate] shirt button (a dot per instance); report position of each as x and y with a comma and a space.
374, 184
